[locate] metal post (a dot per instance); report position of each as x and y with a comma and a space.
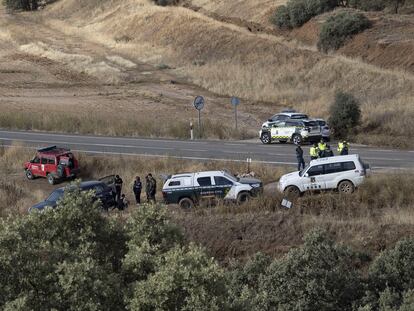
235, 114
191, 131
199, 124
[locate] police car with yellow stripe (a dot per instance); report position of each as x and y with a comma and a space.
293, 130
189, 189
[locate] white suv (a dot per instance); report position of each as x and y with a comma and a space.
343, 173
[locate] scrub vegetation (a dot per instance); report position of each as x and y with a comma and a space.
74, 257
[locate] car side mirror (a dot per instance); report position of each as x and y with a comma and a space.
306, 175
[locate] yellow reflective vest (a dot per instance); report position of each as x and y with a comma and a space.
322, 146
340, 147
314, 152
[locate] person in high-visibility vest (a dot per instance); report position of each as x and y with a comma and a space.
322, 148
343, 147
314, 151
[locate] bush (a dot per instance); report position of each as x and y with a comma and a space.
25, 5
298, 12
244, 282
317, 276
345, 114
185, 279
340, 27
165, 2
391, 279
62, 259
281, 18
371, 5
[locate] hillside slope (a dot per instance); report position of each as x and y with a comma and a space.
231, 60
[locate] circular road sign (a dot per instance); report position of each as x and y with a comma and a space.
199, 102
235, 101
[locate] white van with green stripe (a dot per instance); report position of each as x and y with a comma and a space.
296, 131
189, 189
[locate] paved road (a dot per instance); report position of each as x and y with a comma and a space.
198, 150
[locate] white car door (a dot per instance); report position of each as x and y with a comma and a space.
278, 130
314, 178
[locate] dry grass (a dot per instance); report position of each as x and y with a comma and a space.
103, 123
235, 62
375, 217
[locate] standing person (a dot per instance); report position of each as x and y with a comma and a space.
314, 151
137, 188
153, 187
322, 148
148, 188
118, 187
328, 151
343, 147
299, 157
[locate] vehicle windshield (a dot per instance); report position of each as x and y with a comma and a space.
299, 116
311, 123
230, 176
55, 195
303, 171
322, 123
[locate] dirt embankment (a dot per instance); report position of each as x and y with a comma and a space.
388, 44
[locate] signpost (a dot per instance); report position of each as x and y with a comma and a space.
235, 102
199, 105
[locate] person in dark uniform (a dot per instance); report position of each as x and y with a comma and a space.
118, 187
147, 188
137, 188
152, 188
299, 157
328, 151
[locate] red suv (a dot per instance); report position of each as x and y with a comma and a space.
53, 163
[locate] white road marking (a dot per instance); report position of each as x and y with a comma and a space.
195, 150
85, 144
98, 137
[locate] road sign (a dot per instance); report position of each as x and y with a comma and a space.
199, 103
235, 101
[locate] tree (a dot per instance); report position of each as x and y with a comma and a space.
396, 5
151, 234
391, 279
339, 28
25, 5
66, 258
244, 282
317, 276
345, 114
185, 279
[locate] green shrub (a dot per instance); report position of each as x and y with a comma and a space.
317, 276
25, 5
185, 279
340, 27
62, 259
298, 12
244, 282
367, 5
345, 114
281, 18
391, 279
165, 2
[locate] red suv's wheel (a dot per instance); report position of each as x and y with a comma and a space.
29, 174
